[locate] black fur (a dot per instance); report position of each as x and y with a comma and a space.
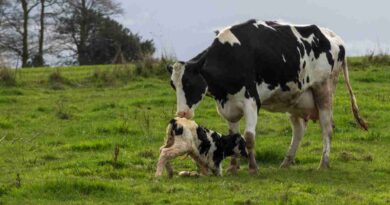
175, 129
205, 143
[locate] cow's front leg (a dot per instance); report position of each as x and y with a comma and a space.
323, 99
298, 125
234, 128
250, 113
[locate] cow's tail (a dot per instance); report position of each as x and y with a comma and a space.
355, 110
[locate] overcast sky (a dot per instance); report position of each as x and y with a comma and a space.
184, 28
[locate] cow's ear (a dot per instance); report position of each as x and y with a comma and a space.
169, 68
216, 32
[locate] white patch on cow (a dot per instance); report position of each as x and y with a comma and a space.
284, 59
176, 77
232, 109
263, 24
250, 112
227, 36
264, 92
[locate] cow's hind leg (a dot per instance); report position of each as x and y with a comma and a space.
323, 99
234, 128
250, 112
298, 125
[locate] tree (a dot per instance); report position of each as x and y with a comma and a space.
15, 27
79, 19
107, 38
38, 59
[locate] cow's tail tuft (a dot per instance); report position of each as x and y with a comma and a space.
355, 110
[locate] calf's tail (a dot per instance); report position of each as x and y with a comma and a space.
355, 110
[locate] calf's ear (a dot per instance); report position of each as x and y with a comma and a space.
169, 68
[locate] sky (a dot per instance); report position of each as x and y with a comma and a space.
183, 28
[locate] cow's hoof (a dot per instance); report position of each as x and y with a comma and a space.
324, 166
287, 162
285, 165
253, 170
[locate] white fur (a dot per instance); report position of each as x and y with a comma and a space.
177, 75
263, 24
226, 36
284, 59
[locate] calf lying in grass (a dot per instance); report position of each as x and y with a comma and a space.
207, 148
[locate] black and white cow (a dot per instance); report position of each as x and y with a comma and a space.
272, 65
206, 147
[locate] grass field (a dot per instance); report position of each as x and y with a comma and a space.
58, 134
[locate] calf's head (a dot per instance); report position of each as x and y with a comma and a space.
190, 87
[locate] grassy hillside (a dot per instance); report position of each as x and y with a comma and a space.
59, 130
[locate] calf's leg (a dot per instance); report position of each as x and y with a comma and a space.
234, 128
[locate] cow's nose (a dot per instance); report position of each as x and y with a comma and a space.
181, 114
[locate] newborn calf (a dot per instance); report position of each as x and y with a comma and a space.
206, 147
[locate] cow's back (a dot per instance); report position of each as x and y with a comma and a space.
269, 58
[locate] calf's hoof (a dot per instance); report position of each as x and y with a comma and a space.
189, 174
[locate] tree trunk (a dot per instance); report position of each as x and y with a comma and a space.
39, 57
82, 57
25, 33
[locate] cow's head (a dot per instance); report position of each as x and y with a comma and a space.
190, 87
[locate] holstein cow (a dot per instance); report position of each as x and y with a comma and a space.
272, 65
206, 147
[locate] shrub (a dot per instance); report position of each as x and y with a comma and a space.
102, 78
119, 74
7, 77
61, 111
57, 81
378, 58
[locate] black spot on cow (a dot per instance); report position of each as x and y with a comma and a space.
330, 59
226, 145
300, 85
194, 85
205, 143
247, 94
341, 56
304, 65
320, 43
307, 79
172, 85
284, 87
175, 129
